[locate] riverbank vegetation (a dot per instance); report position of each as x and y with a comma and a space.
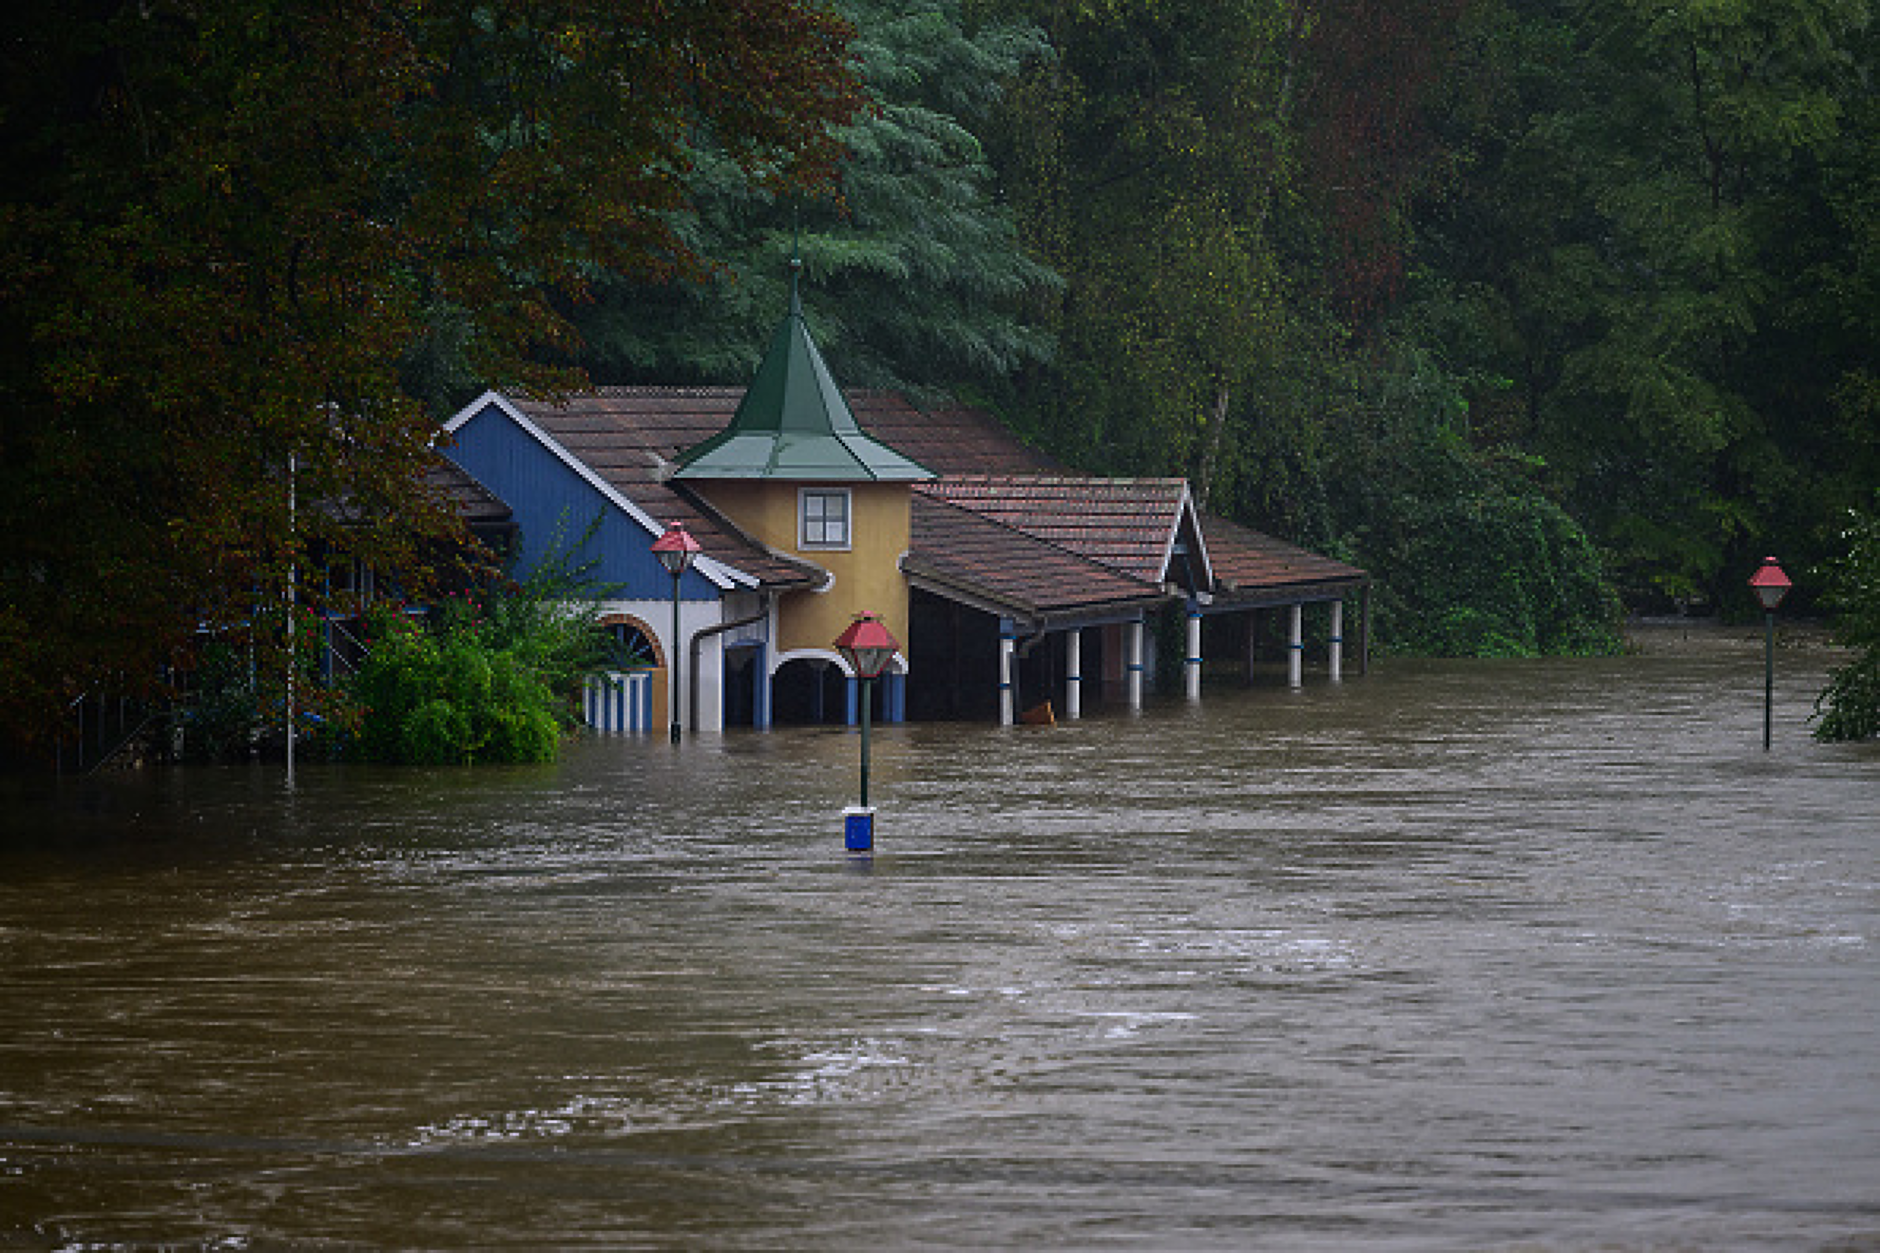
1537, 311
238, 241
492, 673
1849, 709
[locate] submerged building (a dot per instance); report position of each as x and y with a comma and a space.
1009, 580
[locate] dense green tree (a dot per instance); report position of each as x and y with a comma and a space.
915, 278
230, 226
1849, 709
1149, 158
1662, 244
1475, 559
1227, 190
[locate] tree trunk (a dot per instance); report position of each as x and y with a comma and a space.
1211, 444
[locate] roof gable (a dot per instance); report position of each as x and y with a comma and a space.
613, 461
965, 555
627, 439
1130, 525
1250, 566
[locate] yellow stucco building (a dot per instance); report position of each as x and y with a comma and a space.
795, 471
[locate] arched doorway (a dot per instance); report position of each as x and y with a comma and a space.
813, 688
628, 691
809, 689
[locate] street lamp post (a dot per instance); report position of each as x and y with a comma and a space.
675, 550
867, 646
1770, 586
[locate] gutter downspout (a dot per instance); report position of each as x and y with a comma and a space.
763, 612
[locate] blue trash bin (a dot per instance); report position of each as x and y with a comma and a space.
858, 828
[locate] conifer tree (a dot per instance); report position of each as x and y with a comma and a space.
913, 273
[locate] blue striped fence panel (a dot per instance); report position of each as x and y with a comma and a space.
618, 702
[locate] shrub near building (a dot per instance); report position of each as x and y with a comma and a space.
482, 679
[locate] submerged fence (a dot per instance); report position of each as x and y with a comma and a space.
618, 702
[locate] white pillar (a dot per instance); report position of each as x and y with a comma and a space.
1074, 673
1296, 647
1192, 662
1006, 664
1132, 655
1335, 656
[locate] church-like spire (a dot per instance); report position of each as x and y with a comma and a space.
794, 423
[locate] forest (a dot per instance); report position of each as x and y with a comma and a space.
1543, 311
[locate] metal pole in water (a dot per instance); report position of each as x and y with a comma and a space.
868, 685
1769, 676
867, 647
673, 699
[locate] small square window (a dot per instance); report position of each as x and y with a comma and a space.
823, 518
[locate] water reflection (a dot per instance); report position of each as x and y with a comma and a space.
1541, 955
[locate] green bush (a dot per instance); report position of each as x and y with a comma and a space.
1477, 562
224, 717
483, 677
1849, 708
490, 675
462, 688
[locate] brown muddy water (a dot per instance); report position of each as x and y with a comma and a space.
1514, 955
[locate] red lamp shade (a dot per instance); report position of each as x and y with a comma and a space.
1770, 584
867, 645
676, 548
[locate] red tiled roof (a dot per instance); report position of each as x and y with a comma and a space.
1127, 524
623, 424
960, 551
474, 503
629, 437
1249, 566
951, 440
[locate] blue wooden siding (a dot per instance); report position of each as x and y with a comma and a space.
546, 495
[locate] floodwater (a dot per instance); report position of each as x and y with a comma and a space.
1488, 955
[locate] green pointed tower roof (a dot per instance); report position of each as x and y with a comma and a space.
794, 424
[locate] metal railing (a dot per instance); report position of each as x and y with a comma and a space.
134, 718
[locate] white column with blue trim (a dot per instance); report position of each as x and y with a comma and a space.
1008, 661
1074, 673
617, 703
1296, 647
1132, 651
1335, 654
1191, 662
760, 687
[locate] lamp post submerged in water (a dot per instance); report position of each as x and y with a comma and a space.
867, 646
675, 550
1770, 586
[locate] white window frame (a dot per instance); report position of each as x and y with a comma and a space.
804, 522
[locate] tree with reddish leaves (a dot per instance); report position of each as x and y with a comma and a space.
226, 226
1367, 141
